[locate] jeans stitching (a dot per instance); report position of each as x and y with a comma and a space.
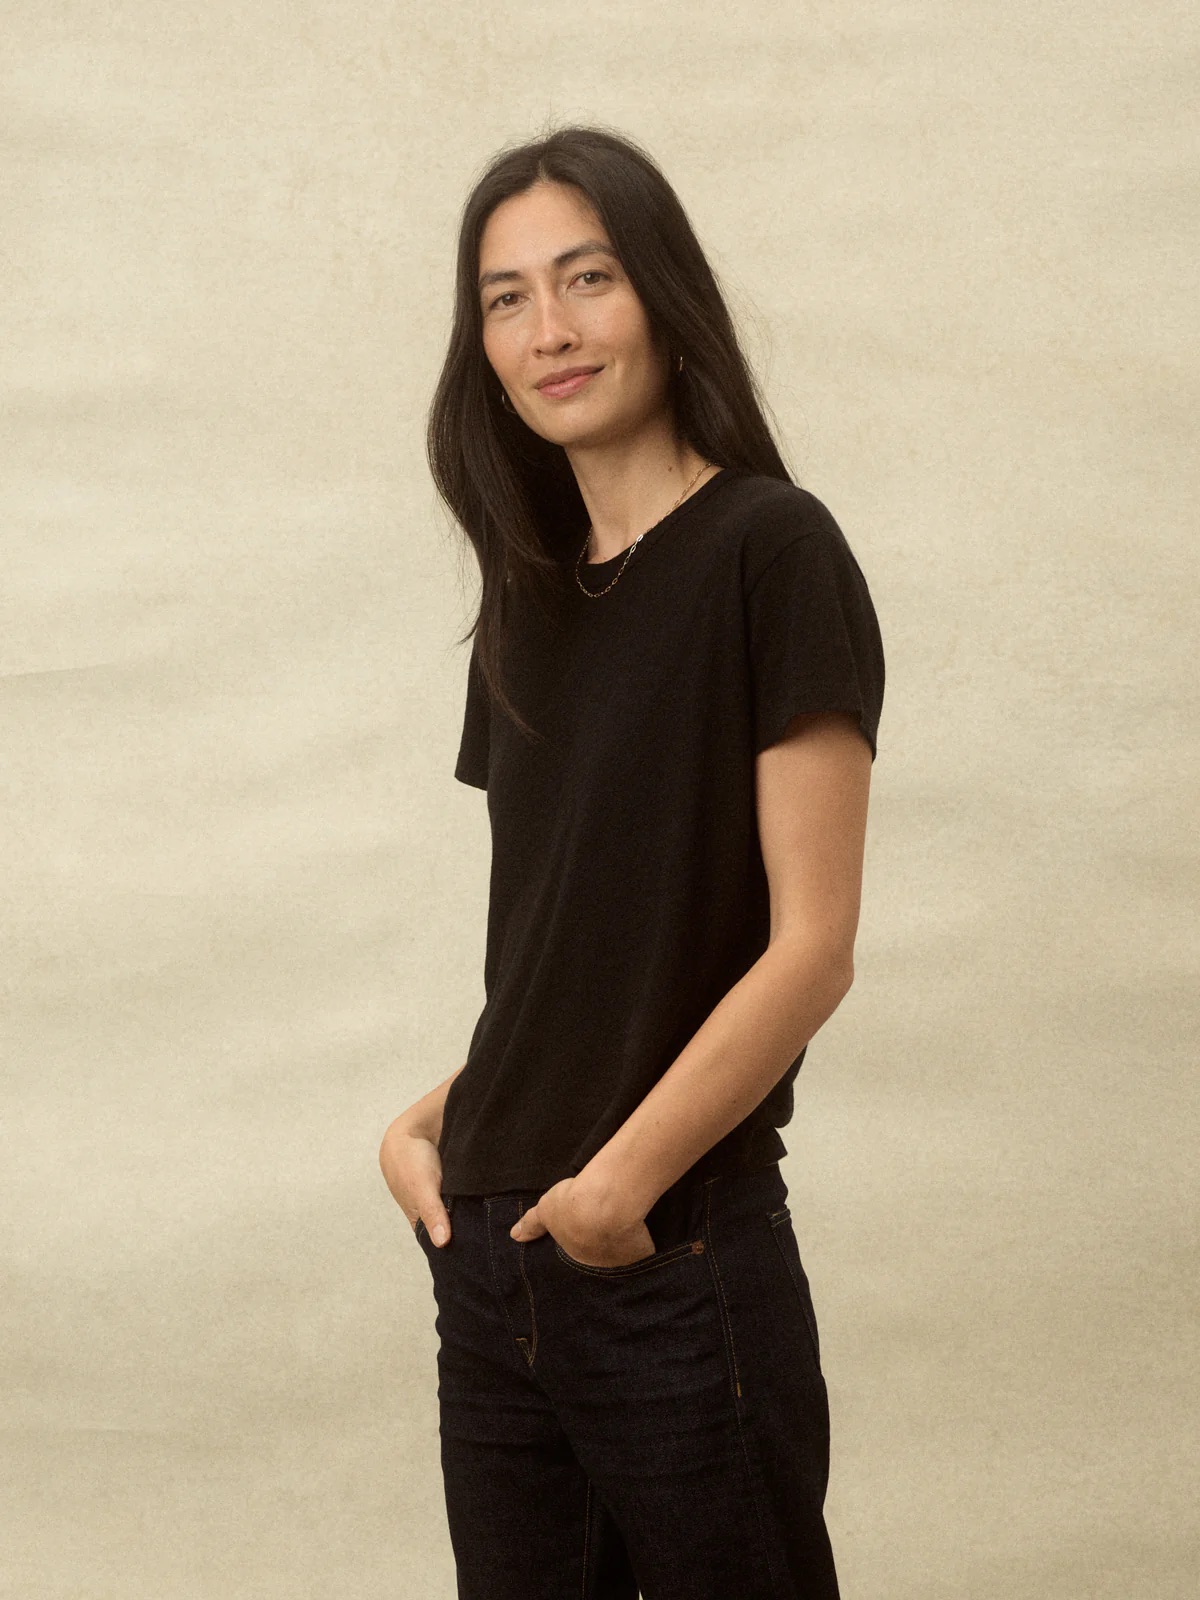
530, 1354
775, 1220
727, 1330
496, 1282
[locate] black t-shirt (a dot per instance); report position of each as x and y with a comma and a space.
627, 891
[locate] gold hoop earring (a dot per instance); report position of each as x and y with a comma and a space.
507, 403
679, 368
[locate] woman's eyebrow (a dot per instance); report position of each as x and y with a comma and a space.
589, 247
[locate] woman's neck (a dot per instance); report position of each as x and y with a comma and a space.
628, 492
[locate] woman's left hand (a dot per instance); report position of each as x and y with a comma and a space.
573, 1220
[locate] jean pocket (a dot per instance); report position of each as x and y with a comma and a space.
658, 1258
785, 1237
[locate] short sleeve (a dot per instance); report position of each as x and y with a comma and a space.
473, 749
814, 638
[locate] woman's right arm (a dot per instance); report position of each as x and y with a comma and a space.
411, 1165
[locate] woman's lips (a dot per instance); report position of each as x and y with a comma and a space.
559, 391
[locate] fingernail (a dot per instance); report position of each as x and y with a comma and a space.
515, 1231
439, 1233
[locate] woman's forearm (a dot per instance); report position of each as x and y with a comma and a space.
740, 1052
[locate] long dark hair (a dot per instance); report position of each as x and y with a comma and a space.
512, 492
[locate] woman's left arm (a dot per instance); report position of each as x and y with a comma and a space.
812, 788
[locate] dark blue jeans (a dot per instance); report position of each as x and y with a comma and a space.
661, 1426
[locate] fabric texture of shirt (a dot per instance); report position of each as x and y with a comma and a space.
627, 887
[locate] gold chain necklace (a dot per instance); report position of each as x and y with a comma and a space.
594, 594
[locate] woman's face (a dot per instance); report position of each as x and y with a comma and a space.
542, 314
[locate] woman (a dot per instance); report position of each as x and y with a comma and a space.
672, 703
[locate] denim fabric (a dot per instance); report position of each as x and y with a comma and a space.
660, 1427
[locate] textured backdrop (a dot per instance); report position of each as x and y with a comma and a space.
244, 899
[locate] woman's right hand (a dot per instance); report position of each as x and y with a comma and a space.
412, 1170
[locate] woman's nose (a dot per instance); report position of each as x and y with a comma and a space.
552, 327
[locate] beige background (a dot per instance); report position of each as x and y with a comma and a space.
244, 898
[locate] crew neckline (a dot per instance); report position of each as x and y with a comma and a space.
605, 569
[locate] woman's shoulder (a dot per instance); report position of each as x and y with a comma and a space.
765, 515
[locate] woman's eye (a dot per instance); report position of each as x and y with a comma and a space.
508, 294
